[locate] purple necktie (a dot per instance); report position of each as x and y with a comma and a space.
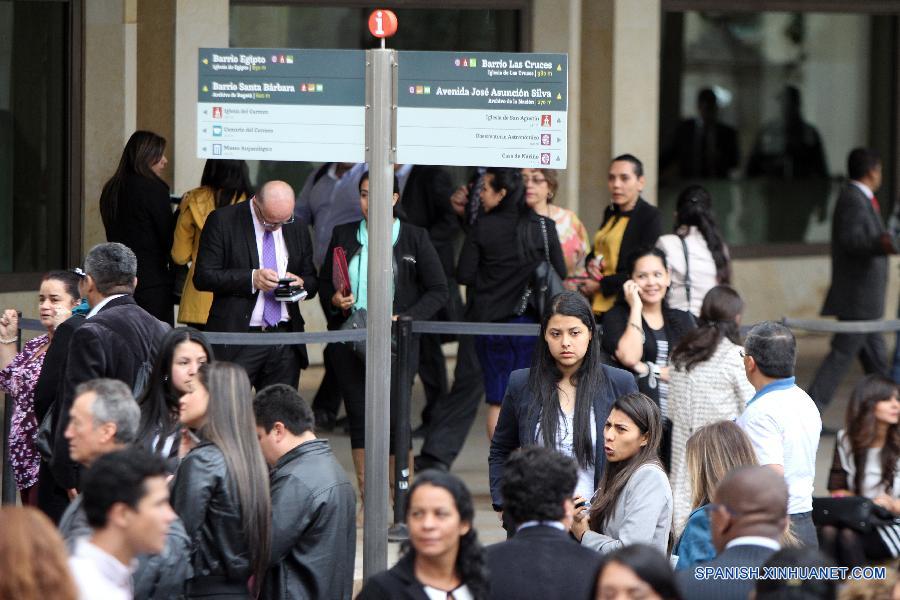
271, 306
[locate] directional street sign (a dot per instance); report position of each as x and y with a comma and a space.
482, 108
281, 104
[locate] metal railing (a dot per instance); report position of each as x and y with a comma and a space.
405, 330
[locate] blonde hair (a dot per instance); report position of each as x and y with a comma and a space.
33, 562
712, 451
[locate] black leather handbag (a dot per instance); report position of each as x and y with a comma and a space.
545, 282
852, 512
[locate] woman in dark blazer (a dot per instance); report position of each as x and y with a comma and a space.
497, 263
641, 331
629, 223
420, 290
563, 401
137, 212
443, 558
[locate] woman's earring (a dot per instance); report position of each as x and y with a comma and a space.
550, 196
166, 378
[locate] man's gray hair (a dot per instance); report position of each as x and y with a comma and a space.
773, 347
113, 267
113, 403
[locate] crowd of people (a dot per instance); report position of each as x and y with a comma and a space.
639, 444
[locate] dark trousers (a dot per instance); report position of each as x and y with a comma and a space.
265, 365
52, 498
803, 527
328, 396
432, 373
845, 347
453, 414
351, 380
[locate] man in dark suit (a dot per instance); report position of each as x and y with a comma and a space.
542, 560
425, 200
245, 249
118, 340
703, 147
747, 520
859, 248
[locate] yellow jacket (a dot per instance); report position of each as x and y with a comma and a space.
195, 208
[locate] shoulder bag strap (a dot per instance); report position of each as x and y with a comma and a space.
687, 272
546, 241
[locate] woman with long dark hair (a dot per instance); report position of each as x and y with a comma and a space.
633, 503
442, 558
136, 211
221, 488
181, 353
641, 332
707, 384
224, 182
865, 463
497, 263
697, 254
636, 571
563, 400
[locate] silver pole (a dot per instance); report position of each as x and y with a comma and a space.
379, 132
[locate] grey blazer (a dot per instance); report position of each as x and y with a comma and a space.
642, 514
858, 260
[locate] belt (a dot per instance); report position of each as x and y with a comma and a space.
281, 326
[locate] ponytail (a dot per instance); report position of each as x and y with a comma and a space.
694, 208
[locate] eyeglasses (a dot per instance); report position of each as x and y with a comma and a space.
535, 180
266, 224
742, 353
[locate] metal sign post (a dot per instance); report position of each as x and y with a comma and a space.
380, 86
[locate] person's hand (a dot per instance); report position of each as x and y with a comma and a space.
885, 501
632, 294
581, 512
589, 287
841, 494
459, 199
594, 268
297, 279
341, 301
60, 314
265, 280
500, 516
579, 527
9, 323
72, 493
665, 374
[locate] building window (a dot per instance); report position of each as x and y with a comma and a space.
762, 108
35, 141
303, 24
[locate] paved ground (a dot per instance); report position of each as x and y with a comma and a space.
472, 462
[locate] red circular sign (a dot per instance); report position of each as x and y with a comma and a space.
382, 23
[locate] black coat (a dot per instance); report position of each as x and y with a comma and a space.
518, 422
676, 323
117, 343
225, 262
426, 202
146, 224
205, 497
420, 288
397, 583
313, 527
499, 257
693, 588
643, 229
858, 259
52, 372
542, 562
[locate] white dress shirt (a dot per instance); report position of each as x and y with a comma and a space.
99, 574
101, 304
281, 259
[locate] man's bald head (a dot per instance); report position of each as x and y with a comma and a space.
276, 201
751, 501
